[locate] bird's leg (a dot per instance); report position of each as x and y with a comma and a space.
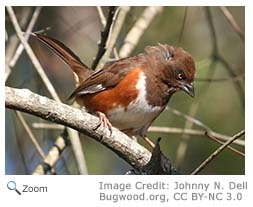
103, 120
150, 143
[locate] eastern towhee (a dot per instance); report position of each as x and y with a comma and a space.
131, 92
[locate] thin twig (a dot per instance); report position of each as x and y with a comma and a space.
104, 37
189, 118
211, 136
31, 55
103, 22
114, 34
218, 58
29, 29
78, 152
212, 30
217, 152
237, 84
13, 40
202, 125
134, 35
232, 22
101, 15
31, 135
182, 148
173, 130
183, 25
214, 52
7, 71
32, 138
116, 53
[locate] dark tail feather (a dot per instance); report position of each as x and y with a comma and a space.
66, 54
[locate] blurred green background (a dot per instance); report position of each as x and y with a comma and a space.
219, 104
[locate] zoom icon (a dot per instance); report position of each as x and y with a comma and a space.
11, 185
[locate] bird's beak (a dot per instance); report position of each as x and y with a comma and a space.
188, 88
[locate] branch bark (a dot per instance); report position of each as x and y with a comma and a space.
45, 108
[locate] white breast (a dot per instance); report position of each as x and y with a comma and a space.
139, 114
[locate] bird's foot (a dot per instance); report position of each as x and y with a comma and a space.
150, 143
104, 122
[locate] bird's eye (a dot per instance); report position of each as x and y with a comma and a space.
181, 76
169, 55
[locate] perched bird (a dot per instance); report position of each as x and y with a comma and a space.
130, 93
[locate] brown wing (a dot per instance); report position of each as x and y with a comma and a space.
109, 76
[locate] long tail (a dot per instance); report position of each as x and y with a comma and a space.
67, 55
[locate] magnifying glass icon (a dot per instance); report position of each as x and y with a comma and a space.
11, 185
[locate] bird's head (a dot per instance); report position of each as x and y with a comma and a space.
175, 67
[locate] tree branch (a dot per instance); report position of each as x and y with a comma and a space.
76, 144
104, 37
13, 41
53, 155
232, 22
170, 130
138, 30
45, 79
31, 135
29, 29
29, 102
31, 54
217, 152
114, 35
218, 58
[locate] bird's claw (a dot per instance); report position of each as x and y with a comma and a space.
105, 123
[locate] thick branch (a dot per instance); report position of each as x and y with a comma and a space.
29, 102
